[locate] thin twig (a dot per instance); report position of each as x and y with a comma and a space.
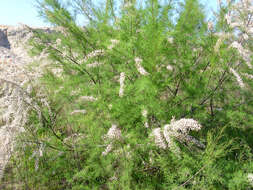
188, 180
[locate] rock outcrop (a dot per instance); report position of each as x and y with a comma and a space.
3, 38
14, 78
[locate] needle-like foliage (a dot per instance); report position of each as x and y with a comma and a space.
145, 95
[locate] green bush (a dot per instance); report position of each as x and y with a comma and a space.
116, 86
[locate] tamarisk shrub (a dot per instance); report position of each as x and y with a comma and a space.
150, 96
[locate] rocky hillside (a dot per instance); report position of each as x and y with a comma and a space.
14, 78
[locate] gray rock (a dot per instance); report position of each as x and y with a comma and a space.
4, 42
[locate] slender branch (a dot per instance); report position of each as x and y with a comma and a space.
46, 143
177, 88
76, 63
187, 181
70, 58
211, 107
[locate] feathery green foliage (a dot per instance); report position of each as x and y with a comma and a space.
131, 58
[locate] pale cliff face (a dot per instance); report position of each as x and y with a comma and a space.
13, 54
12, 68
15, 37
13, 76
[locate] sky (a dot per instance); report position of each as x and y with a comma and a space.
13, 12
